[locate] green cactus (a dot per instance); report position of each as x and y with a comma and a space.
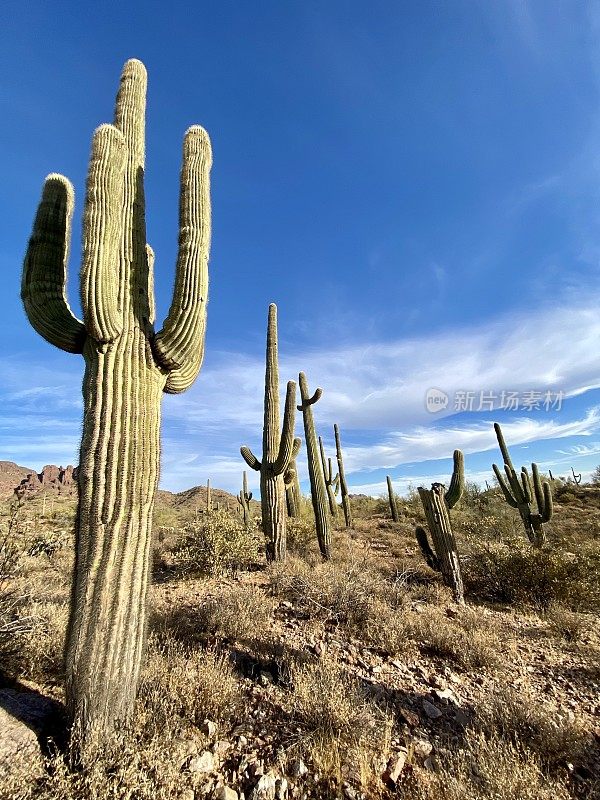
437, 503
244, 498
279, 449
317, 482
343, 484
127, 367
519, 494
331, 484
392, 498
292, 491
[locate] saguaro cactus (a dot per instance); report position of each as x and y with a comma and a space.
343, 484
331, 484
576, 476
279, 449
127, 367
519, 494
437, 504
292, 491
317, 482
392, 498
244, 498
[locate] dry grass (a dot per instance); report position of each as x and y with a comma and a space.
338, 725
485, 768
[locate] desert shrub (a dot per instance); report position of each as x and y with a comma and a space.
235, 613
468, 639
570, 625
521, 575
339, 592
301, 534
529, 726
217, 543
337, 724
484, 768
186, 684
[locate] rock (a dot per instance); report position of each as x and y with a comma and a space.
205, 762
25, 718
221, 747
188, 794
281, 789
209, 728
422, 748
447, 694
395, 767
265, 788
225, 793
410, 717
299, 769
432, 711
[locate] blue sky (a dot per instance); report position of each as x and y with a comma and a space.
416, 185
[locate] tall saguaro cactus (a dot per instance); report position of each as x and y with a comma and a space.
519, 494
292, 491
317, 482
127, 367
437, 503
279, 449
343, 484
244, 498
331, 484
392, 498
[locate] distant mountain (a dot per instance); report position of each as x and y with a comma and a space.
11, 475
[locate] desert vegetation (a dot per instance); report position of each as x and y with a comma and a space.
282, 650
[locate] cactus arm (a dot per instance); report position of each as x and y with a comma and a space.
526, 483
515, 484
457, 483
102, 316
505, 490
45, 269
151, 299
179, 345
326, 473
310, 401
502, 445
548, 508
336, 481
428, 554
250, 458
287, 443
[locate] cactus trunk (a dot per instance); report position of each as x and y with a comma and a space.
392, 499
118, 477
520, 492
438, 520
317, 481
437, 504
292, 493
128, 366
279, 449
331, 484
244, 498
342, 475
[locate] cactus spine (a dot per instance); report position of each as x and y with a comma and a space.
437, 504
279, 449
392, 499
317, 482
244, 498
519, 493
292, 491
127, 367
331, 484
343, 484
